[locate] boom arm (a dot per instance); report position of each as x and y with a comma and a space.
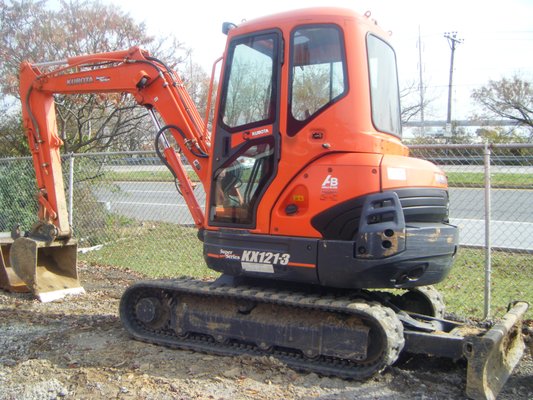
152, 84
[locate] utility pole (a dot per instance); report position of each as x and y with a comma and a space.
421, 82
453, 41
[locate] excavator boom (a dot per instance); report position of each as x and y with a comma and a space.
45, 260
134, 72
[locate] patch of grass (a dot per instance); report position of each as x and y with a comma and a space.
463, 290
477, 179
158, 251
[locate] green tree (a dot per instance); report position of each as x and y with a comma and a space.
18, 204
12, 139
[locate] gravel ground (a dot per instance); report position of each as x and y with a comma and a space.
76, 348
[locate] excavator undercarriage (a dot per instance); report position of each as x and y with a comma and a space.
348, 334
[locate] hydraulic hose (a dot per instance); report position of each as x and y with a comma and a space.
162, 157
196, 152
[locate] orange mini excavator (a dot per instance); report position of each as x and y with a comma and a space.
313, 209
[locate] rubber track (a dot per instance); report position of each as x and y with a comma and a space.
328, 366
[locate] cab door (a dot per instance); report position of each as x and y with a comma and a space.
247, 139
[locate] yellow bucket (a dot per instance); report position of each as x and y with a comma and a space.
49, 269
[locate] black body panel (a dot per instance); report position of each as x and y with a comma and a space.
427, 258
392, 239
264, 256
418, 205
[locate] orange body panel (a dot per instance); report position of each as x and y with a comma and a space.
400, 172
326, 182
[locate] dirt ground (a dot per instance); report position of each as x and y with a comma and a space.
76, 348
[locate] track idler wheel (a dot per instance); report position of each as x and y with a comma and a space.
425, 300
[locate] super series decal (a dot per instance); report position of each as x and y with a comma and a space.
255, 261
259, 261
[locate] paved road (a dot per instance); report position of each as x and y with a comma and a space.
504, 234
512, 215
511, 211
148, 201
506, 204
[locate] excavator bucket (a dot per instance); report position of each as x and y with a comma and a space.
493, 356
49, 269
9, 280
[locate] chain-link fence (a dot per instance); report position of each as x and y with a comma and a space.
126, 208
490, 200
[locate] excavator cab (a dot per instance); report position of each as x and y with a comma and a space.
331, 196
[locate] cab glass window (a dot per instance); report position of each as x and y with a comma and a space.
249, 91
383, 86
318, 72
238, 184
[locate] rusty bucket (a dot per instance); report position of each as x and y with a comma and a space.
49, 269
9, 280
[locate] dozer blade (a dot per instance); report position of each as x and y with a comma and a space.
9, 280
493, 356
49, 269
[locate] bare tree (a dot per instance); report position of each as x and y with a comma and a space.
508, 99
410, 101
197, 81
31, 31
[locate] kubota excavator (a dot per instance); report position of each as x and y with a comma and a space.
313, 206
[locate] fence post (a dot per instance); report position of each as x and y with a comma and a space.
70, 189
488, 249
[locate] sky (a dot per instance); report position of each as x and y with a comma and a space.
497, 37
